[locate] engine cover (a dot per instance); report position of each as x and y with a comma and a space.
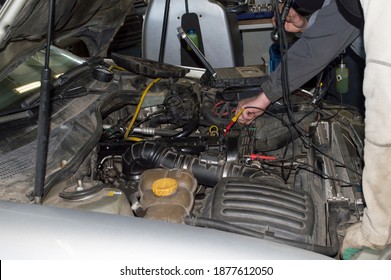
266, 205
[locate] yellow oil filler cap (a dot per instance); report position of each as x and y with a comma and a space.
164, 187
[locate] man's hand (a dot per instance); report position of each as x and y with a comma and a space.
254, 107
294, 22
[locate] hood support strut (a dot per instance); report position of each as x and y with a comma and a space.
44, 114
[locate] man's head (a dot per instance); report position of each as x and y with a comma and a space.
350, 9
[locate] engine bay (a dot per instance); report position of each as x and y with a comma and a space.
153, 144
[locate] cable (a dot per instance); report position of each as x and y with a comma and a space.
224, 111
150, 116
286, 95
285, 81
324, 175
307, 143
305, 166
267, 112
291, 139
144, 93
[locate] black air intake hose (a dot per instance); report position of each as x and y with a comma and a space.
146, 155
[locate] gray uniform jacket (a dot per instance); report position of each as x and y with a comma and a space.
327, 35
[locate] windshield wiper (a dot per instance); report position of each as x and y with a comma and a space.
26, 114
26, 110
61, 81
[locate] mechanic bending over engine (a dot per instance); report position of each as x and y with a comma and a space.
333, 26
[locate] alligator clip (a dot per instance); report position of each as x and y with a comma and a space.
258, 156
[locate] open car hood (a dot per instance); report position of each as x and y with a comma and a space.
23, 26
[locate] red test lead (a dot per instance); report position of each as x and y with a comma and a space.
263, 157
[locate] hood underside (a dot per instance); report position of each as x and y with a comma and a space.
23, 26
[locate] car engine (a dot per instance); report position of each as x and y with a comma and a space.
149, 141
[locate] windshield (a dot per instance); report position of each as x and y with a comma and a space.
24, 81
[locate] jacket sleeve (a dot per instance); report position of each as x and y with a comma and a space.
318, 45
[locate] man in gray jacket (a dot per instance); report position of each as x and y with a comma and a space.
333, 27
323, 37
